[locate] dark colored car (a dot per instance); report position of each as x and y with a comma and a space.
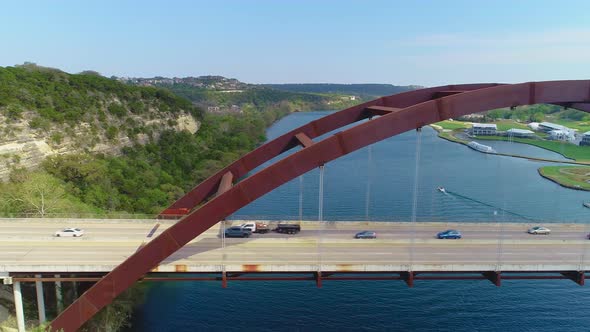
449, 234
366, 235
237, 231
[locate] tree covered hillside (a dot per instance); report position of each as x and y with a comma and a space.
47, 112
257, 97
159, 162
62, 97
147, 178
363, 90
228, 94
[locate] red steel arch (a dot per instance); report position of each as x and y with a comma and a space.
399, 113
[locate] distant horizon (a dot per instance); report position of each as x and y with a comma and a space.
147, 77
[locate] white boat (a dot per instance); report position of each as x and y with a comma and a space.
441, 189
481, 147
586, 204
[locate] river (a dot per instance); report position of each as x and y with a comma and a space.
384, 176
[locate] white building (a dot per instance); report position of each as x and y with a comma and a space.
534, 125
585, 139
483, 129
562, 135
515, 132
548, 126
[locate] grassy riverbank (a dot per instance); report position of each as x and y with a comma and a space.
574, 177
568, 150
502, 125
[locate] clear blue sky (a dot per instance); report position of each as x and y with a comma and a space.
400, 42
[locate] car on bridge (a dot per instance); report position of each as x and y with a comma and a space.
449, 234
539, 230
73, 232
366, 235
237, 231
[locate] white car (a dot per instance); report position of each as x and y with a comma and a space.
539, 230
74, 232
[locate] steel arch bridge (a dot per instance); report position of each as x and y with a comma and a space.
221, 195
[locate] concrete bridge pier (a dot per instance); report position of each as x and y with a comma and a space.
75, 288
40, 299
58, 295
18, 304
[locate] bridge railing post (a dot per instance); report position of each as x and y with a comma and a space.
224, 279
576, 276
494, 276
318, 279
408, 277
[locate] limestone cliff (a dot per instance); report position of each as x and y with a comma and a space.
45, 112
23, 146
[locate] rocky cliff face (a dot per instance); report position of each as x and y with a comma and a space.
22, 145
45, 111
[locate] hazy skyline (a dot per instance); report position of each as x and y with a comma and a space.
420, 42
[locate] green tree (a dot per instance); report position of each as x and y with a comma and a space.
39, 194
537, 117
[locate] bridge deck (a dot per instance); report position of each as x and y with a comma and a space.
28, 246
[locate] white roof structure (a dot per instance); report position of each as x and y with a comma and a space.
586, 133
519, 131
534, 125
553, 126
484, 125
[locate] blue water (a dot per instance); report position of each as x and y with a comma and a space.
507, 184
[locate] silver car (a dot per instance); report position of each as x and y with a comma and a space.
539, 230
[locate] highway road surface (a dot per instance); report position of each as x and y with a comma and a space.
28, 245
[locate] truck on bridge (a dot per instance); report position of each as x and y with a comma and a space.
256, 227
288, 228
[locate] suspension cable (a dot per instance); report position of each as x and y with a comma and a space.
222, 228
500, 219
369, 178
320, 217
321, 196
584, 247
301, 198
415, 196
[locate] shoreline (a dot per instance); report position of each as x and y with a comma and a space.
454, 139
540, 170
451, 138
